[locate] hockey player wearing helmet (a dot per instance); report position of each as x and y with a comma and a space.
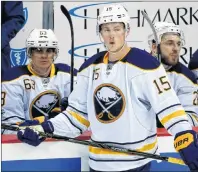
36, 90
171, 39
113, 27
42, 49
111, 98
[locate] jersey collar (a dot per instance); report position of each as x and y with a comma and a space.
52, 73
106, 56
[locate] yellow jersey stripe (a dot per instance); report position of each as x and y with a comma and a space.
172, 115
80, 119
148, 147
145, 148
52, 73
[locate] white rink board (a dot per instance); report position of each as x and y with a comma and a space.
61, 149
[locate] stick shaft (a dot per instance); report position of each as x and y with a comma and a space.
67, 15
101, 145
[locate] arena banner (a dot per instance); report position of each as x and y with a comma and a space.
87, 42
33, 12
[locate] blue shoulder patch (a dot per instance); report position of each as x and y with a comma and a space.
95, 59
141, 59
64, 68
15, 72
180, 68
194, 61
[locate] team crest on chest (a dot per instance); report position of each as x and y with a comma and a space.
44, 103
109, 103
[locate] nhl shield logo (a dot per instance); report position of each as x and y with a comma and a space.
109, 103
18, 57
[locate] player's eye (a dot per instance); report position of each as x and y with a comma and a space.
50, 50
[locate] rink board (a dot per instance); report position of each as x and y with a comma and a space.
64, 156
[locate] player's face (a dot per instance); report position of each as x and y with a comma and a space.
170, 47
113, 35
43, 57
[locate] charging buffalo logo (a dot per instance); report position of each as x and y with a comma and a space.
44, 104
109, 103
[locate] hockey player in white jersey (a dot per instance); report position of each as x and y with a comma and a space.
36, 89
115, 91
193, 65
183, 81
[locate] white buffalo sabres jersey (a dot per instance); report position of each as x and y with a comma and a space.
26, 96
183, 82
116, 101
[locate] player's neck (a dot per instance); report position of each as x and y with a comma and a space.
40, 71
119, 55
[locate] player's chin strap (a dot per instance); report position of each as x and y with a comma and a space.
99, 145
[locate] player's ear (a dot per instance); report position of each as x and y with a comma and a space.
154, 48
127, 33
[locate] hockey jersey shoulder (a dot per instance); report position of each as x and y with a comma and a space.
181, 69
64, 68
141, 59
95, 59
15, 72
194, 61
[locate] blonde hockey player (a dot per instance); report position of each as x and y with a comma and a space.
183, 81
116, 89
39, 88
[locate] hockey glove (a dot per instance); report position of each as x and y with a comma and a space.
64, 103
30, 135
186, 143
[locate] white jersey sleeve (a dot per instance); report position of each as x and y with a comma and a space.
74, 120
165, 102
183, 82
12, 104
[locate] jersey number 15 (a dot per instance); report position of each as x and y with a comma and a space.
162, 84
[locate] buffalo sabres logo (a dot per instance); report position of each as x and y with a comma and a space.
44, 104
109, 103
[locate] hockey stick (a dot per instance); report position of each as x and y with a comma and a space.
154, 33
66, 13
101, 145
